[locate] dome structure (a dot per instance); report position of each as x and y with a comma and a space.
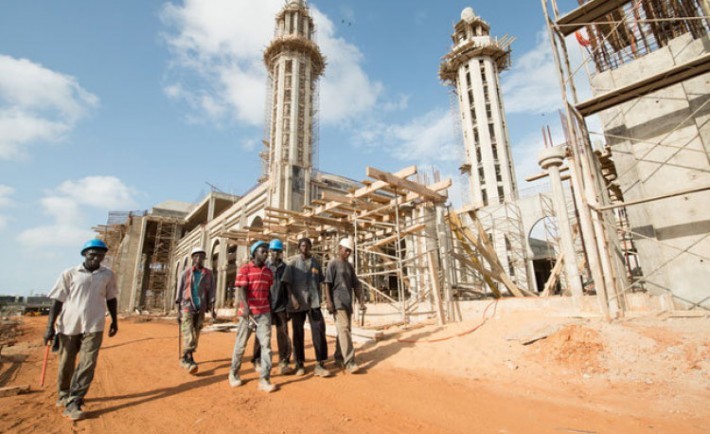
468, 14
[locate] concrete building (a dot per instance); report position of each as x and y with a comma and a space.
645, 195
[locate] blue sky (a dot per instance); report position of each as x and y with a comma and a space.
109, 105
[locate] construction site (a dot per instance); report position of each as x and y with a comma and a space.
582, 308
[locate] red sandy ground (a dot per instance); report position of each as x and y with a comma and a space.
636, 376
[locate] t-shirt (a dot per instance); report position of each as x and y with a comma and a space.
196, 274
257, 281
340, 275
84, 294
305, 276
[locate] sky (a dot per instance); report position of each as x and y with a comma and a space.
111, 106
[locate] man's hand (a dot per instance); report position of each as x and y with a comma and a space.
179, 317
48, 335
294, 302
214, 315
363, 308
113, 329
246, 312
331, 307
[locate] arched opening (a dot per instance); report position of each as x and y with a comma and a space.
543, 241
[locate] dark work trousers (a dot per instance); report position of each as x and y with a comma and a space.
315, 318
74, 381
280, 320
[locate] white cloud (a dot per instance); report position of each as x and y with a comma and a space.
37, 104
426, 139
67, 206
532, 84
5, 201
106, 192
217, 68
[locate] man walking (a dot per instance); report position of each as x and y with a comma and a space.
303, 277
340, 282
279, 316
195, 295
253, 284
80, 298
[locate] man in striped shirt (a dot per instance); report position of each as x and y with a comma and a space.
253, 285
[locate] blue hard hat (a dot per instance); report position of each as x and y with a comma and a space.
94, 244
256, 245
276, 244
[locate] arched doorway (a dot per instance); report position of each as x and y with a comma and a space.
543, 241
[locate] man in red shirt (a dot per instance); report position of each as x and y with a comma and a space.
253, 285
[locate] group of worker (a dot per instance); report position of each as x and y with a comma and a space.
269, 292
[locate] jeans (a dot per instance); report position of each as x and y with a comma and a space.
263, 333
74, 381
191, 326
315, 318
344, 349
279, 319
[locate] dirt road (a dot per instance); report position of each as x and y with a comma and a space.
139, 388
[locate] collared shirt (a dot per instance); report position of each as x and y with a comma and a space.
84, 294
340, 275
305, 276
206, 291
257, 281
279, 298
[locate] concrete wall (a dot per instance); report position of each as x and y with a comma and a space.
677, 118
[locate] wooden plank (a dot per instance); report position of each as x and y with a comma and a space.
404, 173
392, 238
436, 288
554, 275
14, 390
405, 184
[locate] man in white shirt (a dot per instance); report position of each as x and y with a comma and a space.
81, 296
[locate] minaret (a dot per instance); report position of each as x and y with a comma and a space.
472, 67
294, 63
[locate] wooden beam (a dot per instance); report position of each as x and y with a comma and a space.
14, 390
405, 184
392, 238
554, 276
404, 173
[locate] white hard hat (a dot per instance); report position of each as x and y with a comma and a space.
197, 250
347, 243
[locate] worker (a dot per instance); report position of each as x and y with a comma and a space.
303, 277
194, 297
78, 317
253, 284
340, 282
279, 316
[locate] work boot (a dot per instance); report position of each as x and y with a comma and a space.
192, 367
352, 368
73, 411
266, 386
340, 363
284, 368
234, 380
62, 401
321, 371
300, 370
185, 362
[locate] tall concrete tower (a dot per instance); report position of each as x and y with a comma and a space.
294, 63
472, 67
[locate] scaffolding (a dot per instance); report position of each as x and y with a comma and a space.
620, 33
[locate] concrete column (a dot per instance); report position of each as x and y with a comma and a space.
550, 159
